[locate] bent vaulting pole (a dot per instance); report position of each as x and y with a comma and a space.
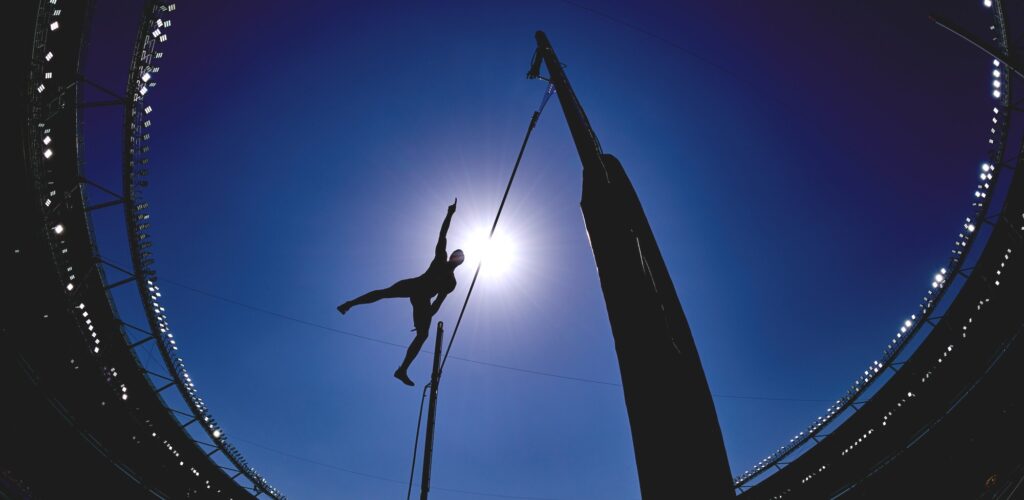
676, 438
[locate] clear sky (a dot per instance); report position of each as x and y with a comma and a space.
805, 167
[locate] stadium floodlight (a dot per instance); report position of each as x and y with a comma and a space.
997, 83
41, 88
48, 153
47, 140
988, 3
54, 25
48, 75
163, 38
995, 73
216, 433
146, 77
156, 32
996, 93
49, 56
59, 228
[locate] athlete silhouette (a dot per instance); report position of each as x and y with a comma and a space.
438, 280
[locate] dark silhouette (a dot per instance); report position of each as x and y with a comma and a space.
666, 391
439, 279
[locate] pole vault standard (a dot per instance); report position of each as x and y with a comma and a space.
676, 437
439, 361
428, 440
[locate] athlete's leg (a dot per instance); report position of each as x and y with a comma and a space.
404, 288
421, 320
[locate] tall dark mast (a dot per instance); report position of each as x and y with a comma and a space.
676, 438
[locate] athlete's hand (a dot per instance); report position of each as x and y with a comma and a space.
451, 208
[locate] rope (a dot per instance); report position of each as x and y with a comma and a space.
533, 123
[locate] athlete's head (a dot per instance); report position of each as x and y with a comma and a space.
456, 258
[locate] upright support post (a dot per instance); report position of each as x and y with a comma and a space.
428, 440
676, 437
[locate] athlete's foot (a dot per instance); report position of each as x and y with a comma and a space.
344, 308
404, 377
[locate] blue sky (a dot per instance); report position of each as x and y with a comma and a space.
804, 166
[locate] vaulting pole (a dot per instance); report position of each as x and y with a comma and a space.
428, 440
676, 437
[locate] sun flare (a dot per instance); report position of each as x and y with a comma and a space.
498, 254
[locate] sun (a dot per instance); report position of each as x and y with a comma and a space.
498, 255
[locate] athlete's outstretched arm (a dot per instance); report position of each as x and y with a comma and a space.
437, 303
441, 251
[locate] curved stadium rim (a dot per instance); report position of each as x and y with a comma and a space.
53, 151
134, 165
926, 312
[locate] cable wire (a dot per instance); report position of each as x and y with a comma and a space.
459, 358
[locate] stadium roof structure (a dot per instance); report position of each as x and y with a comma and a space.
83, 413
936, 415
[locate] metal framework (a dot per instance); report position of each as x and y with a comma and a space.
154, 435
145, 440
927, 316
137, 120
